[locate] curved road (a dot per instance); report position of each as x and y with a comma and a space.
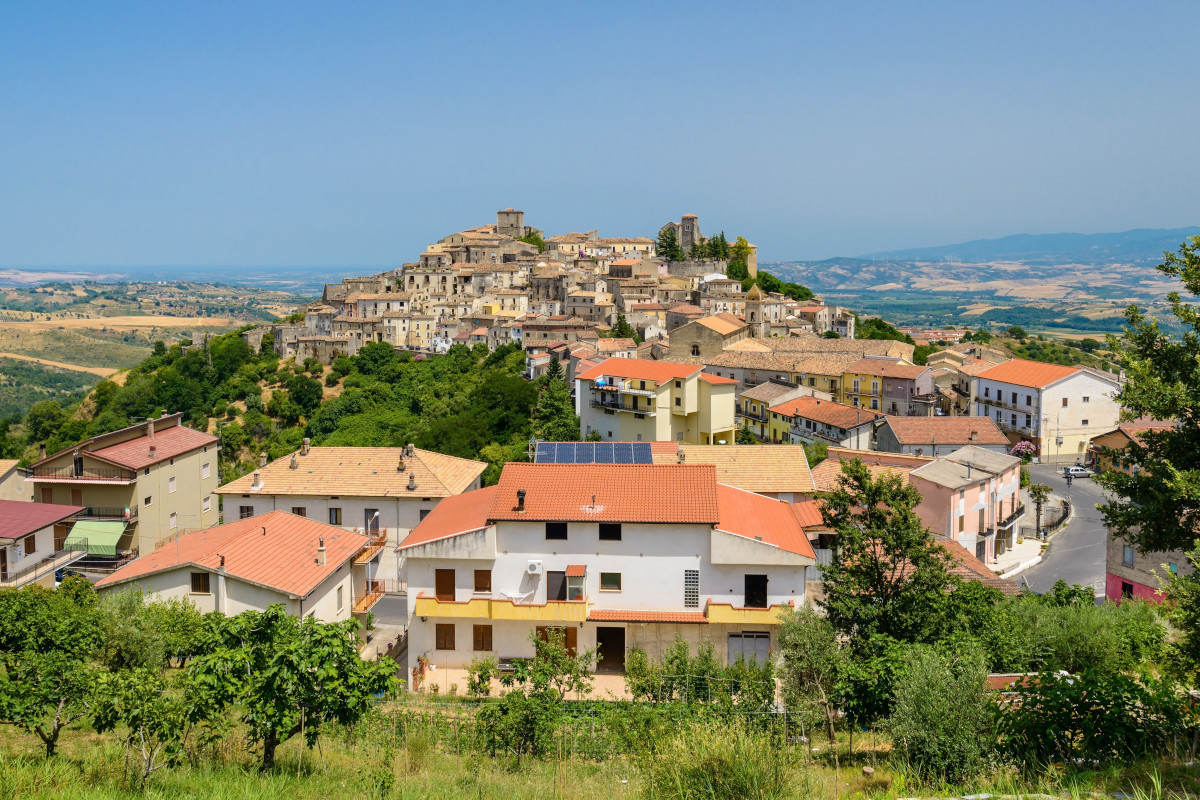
1077, 551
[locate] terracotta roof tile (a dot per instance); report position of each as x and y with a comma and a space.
362, 472
1034, 374
715, 379
576, 570
827, 412
621, 615
808, 514
284, 558
168, 443
607, 493
453, 516
886, 368
753, 516
755, 468
948, 430
722, 323
640, 369
19, 518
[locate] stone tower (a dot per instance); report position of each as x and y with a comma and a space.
689, 232
510, 222
755, 314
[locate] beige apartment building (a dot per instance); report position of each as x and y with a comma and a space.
158, 477
633, 400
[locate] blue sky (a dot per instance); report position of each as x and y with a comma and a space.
343, 134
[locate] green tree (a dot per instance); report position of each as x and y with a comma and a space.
534, 238
744, 435
815, 452
554, 417
1017, 332
305, 392
555, 371
832, 335
152, 720
888, 575
374, 357
43, 420
811, 664
288, 675
1039, 493
1153, 494
982, 336
668, 245
1183, 611
623, 330
941, 719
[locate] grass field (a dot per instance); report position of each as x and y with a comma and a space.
72, 346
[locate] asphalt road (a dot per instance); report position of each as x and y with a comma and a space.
1077, 551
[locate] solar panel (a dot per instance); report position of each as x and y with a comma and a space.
593, 453
622, 453
642, 453
604, 453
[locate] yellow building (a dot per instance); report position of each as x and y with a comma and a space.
633, 400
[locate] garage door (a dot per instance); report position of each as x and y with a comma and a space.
754, 646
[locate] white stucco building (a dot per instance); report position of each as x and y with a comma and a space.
384, 490
312, 569
616, 555
1057, 408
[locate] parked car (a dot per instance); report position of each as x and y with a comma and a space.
1077, 472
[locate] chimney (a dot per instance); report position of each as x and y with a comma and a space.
153, 451
968, 470
974, 436
520, 499
294, 463
305, 443
42, 450
257, 480
262, 458
412, 481
150, 429
321, 551
401, 466
409, 450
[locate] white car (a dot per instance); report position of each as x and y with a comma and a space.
1077, 472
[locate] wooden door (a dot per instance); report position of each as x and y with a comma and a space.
443, 585
77, 497
47, 494
60, 536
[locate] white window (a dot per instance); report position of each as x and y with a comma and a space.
207, 504
339, 599
204, 470
174, 520
170, 486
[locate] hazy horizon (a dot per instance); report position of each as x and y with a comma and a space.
280, 135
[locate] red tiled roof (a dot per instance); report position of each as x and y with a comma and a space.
717, 379
19, 518
948, 430
970, 568
576, 570
753, 516
808, 514
168, 443
607, 493
455, 515
640, 369
837, 414
284, 558
615, 615
1034, 374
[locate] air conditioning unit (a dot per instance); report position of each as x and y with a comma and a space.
533, 568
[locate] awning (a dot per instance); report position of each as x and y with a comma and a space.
102, 537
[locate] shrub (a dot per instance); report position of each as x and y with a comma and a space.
718, 762
1094, 717
940, 716
480, 672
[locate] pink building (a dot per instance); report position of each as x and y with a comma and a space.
972, 497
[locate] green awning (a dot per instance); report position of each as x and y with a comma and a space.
102, 537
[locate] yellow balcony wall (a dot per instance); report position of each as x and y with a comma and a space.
552, 611
727, 614
476, 608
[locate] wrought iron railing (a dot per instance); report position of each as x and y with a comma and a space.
85, 473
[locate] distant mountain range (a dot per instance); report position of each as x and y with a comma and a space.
1128, 247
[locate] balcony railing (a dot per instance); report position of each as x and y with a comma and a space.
756, 417
618, 388
610, 406
71, 551
1012, 518
107, 512
372, 548
84, 474
373, 592
502, 608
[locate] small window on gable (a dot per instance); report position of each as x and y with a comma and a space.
1064, 402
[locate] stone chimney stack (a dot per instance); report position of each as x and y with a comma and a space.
520, 499
305, 443
150, 429
257, 480
321, 551
412, 481
262, 458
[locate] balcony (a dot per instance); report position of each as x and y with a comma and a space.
616, 387
756, 417
107, 513
72, 550
371, 549
609, 405
728, 614
501, 608
373, 592
85, 474
1012, 518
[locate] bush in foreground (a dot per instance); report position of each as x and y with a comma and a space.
719, 762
